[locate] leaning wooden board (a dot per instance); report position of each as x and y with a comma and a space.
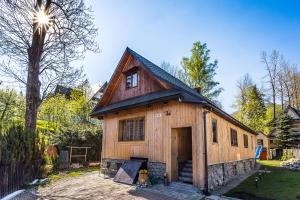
128, 172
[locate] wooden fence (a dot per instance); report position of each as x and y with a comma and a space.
13, 176
294, 152
276, 154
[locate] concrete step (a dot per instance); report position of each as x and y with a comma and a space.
189, 161
188, 165
186, 174
186, 169
185, 179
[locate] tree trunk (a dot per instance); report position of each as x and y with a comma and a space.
274, 103
281, 96
32, 88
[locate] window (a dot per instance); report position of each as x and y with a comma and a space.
260, 142
245, 141
214, 130
233, 137
132, 80
132, 129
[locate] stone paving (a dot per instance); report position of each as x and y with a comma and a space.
92, 186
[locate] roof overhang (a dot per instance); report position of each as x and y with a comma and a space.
143, 100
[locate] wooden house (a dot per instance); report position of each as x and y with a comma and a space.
294, 114
150, 114
295, 125
264, 141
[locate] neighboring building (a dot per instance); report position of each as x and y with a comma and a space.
295, 128
263, 140
63, 90
295, 125
148, 113
98, 94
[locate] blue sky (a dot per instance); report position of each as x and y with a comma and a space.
235, 31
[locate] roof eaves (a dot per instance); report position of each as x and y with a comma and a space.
130, 103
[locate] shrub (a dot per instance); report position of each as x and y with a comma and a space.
18, 145
286, 155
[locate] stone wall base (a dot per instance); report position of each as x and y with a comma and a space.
222, 173
109, 167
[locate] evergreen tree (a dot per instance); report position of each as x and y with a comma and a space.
200, 71
282, 133
254, 109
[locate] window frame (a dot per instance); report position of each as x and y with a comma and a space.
262, 142
133, 121
129, 76
234, 140
214, 133
246, 138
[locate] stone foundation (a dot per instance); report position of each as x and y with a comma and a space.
109, 167
157, 170
221, 173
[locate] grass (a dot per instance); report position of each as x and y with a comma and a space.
72, 173
269, 163
278, 184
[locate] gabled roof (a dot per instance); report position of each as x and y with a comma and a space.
100, 91
63, 90
179, 90
294, 110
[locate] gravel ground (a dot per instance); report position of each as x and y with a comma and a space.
92, 186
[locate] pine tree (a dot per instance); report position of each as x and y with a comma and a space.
255, 109
200, 71
282, 133
252, 109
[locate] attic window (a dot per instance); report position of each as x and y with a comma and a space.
132, 80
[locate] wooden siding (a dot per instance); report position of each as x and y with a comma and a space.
146, 84
222, 151
160, 120
116, 89
266, 142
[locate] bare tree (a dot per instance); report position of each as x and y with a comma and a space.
288, 79
39, 42
294, 86
272, 63
243, 85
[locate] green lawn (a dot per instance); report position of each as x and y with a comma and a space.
72, 173
278, 184
269, 163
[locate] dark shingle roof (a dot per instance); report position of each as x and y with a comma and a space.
139, 101
295, 110
163, 75
183, 91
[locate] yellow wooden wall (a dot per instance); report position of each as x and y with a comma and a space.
266, 142
159, 121
222, 151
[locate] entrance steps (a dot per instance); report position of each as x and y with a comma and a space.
186, 172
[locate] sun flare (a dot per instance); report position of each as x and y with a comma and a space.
42, 18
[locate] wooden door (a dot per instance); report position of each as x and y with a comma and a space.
174, 154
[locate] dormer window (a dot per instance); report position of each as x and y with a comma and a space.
132, 80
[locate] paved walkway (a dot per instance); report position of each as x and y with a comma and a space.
91, 186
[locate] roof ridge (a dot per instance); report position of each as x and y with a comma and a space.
182, 84
295, 110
